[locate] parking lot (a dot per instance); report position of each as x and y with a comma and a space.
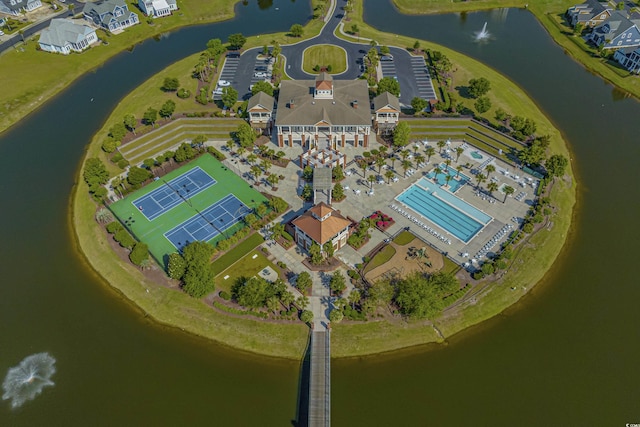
411, 72
242, 72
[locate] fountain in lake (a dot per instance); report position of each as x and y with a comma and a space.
483, 34
25, 381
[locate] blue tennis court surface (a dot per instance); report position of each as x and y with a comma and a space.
207, 224
169, 195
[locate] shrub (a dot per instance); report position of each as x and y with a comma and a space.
114, 227
215, 153
116, 157
124, 238
139, 254
109, 145
123, 163
527, 228
306, 316
225, 295
183, 93
176, 266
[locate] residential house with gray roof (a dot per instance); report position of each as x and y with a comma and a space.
65, 36
617, 32
323, 113
629, 58
15, 7
111, 15
591, 13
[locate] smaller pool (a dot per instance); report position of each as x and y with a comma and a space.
456, 181
476, 155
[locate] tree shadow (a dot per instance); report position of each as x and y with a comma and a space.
302, 409
464, 92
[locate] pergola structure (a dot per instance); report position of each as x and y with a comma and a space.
322, 183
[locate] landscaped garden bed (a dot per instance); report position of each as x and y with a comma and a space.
381, 220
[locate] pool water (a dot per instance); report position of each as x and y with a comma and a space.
456, 181
444, 210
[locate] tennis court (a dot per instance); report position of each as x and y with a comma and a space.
207, 224
179, 189
164, 220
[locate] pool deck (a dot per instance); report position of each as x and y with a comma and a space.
359, 206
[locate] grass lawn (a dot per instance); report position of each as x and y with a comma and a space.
325, 55
152, 231
404, 238
247, 266
225, 261
384, 255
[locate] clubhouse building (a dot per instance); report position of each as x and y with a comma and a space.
323, 113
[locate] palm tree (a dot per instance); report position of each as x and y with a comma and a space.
458, 169
241, 151
406, 164
436, 171
21, 32
71, 8
508, 190
429, 151
490, 169
266, 165
363, 165
371, 180
383, 151
459, 151
389, 174
441, 145
103, 216
448, 163
256, 172
393, 161
404, 154
480, 178
252, 158
492, 186
419, 158
447, 178
380, 162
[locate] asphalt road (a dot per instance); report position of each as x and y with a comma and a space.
37, 27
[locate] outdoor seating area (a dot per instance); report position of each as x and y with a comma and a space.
493, 241
421, 224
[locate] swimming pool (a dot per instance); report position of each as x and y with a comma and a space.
457, 179
444, 210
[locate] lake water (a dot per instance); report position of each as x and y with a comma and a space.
566, 355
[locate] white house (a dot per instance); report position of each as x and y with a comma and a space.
65, 36
260, 109
14, 7
157, 8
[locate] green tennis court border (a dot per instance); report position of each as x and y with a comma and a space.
152, 232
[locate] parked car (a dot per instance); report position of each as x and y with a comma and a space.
386, 58
1, 33
217, 91
260, 75
233, 55
261, 68
223, 83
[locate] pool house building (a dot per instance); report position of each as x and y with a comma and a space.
321, 224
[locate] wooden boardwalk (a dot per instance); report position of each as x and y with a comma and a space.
320, 379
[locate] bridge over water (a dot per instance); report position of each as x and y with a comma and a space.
320, 379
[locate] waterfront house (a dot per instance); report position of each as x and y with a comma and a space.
629, 58
590, 14
15, 7
65, 36
111, 15
617, 32
157, 8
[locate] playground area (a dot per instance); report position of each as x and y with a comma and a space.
402, 257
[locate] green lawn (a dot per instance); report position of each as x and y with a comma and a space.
404, 238
325, 55
152, 232
228, 259
384, 255
247, 266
